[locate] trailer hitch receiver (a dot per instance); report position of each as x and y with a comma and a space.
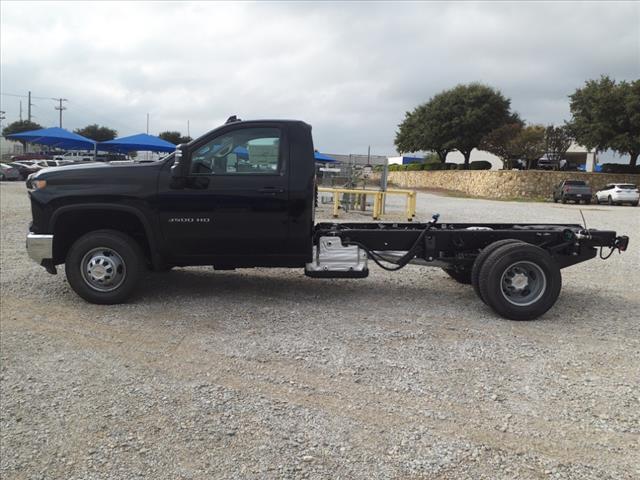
621, 243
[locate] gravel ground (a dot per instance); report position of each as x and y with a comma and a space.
269, 374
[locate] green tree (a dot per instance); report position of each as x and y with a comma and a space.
502, 143
175, 137
606, 114
419, 132
19, 127
97, 133
456, 119
530, 143
557, 141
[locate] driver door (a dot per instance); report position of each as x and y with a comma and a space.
234, 207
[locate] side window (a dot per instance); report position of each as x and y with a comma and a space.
245, 151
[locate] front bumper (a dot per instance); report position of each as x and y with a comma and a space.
40, 247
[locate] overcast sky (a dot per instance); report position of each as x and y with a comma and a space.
350, 70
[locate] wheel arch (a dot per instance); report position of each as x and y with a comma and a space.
68, 223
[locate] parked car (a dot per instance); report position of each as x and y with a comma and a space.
42, 163
7, 172
618, 193
575, 190
30, 156
24, 170
551, 162
75, 157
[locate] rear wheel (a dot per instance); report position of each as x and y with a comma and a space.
635, 204
520, 281
562, 199
104, 266
481, 258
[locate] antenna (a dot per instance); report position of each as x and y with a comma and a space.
584, 222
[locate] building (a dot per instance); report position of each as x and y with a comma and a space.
578, 158
10, 147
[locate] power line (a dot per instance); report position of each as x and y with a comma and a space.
25, 96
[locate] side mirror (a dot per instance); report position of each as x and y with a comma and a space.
180, 165
179, 169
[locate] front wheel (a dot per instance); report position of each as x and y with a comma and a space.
610, 200
104, 266
520, 281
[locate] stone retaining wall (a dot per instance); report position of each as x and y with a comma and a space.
503, 183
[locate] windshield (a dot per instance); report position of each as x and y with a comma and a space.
575, 183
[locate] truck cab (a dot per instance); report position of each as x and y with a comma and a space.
240, 196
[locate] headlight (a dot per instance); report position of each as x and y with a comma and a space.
35, 184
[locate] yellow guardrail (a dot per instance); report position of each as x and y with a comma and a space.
378, 199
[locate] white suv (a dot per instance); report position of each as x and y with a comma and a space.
618, 193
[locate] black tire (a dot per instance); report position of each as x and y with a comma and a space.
461, 276
562, 199
595, 199
127, 266
555, 200
587, 202
635, 204
610, 200
481, 258
532, 264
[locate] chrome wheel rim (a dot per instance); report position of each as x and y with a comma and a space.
523, 283
103, 269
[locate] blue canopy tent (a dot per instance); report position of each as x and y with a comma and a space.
241, 152
55, 137
140, 142
321, 157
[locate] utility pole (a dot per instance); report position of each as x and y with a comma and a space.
60, 107
146, 155
29, 108
188, 133
21, 110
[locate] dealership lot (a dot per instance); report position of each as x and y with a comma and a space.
268, 374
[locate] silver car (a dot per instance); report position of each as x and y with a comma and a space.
7, 172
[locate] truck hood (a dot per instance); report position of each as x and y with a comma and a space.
103, 170
103, 178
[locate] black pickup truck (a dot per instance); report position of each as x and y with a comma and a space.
243, 196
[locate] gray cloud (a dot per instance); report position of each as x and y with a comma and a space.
351, 70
